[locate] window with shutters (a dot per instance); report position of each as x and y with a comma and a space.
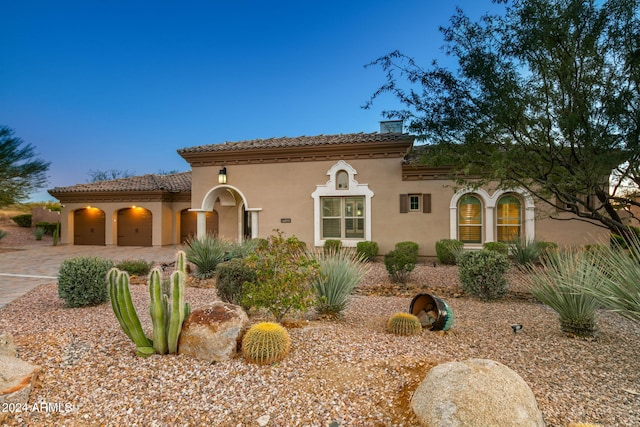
415, 203
470, 219
509, 218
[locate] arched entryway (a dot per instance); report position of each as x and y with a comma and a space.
189, 224
237, 221
89, 227
135, 227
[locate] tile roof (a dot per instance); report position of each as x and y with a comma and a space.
300, 141
172, 183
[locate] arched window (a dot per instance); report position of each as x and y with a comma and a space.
342, 180
470, 219
509, 218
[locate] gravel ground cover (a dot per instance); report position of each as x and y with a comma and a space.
347, 371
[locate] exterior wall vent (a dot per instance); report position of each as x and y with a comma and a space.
391, 126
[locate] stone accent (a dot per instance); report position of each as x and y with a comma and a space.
213, 333
16, 381
7, 347
475, 392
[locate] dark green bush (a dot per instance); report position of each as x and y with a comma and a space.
135, 267
49, 227
447, 250
82, 281
367, 250
23, 220
401, 261
482, 273
332, 246
499, 247
231, 277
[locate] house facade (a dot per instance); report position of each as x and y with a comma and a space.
348, 187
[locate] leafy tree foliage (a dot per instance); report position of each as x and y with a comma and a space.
544, 97
107, 175
21, 173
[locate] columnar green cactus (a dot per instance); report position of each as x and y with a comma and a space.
125, 311
404, 324
265, 343
175, 317
181, 261
158, 312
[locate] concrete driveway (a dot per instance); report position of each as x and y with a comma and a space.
27, 267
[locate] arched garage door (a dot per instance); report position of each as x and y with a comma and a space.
134, 227
189, 224
88, 227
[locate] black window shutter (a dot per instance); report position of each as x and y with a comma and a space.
404, 203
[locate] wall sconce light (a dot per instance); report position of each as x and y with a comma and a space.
222, 176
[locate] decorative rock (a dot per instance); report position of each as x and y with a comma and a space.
475, 392
263, 420
212, 333
16, 380
7, 347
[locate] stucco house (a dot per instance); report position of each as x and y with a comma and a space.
351, 187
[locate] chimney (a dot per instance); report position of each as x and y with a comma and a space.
391, 126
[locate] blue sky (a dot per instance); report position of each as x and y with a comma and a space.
101, 85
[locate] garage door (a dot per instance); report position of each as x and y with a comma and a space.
189, 224
134, 227
88, 227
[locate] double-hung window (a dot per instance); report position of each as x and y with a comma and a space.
343, 217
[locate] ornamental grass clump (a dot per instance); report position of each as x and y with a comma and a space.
619, 289
566, 281
206, 253
525, 252
482, 273
339, 273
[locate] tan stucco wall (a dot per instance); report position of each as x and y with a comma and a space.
283, 190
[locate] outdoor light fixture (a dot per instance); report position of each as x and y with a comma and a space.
222, 176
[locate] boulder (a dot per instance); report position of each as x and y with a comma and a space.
212, 333
16, 380
475, 392
7, 347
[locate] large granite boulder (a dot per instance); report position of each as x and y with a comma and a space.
475, 392
7, 347
16, 377
212, 333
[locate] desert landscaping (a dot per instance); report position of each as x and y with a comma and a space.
339, 372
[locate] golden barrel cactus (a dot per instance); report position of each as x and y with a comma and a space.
404, 324
265, 343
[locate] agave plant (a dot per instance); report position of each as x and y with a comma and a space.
340, 273
564, 281
206, 253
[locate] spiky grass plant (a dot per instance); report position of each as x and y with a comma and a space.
561, 282
265, 343
404, 324
340, 272
619, 290
206, 253
525, 252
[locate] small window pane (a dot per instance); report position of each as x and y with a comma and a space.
331, 228
331, 207
414, 202
342, 180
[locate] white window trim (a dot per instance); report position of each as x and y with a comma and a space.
329, 190
489, 202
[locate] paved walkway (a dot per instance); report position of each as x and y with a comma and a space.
31, 266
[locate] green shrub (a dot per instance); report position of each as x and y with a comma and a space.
332, 245
135, 267
619, 288
244, 249
23, 220
231, 277
340, 273
49, 227
482, 273
367, 250
525, 252
283, 277
499, 247
39, 233
82, 281
206, 253
401, 261
447, 250
565, 281
3, 234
